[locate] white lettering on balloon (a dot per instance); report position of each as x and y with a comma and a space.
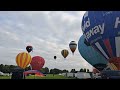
98, 29
95, 30
86, 25
117, 22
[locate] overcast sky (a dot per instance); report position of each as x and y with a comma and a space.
47, 31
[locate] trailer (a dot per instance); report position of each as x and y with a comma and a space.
83, 75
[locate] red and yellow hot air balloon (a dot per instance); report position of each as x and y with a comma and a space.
23, 59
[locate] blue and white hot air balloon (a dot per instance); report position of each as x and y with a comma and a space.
102, 30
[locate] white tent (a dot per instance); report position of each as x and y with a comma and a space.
82, 75
1, 73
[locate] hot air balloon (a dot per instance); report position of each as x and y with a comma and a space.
73, 46
23, 59
37, 63
102, 30
91, 55
64, 53
29, 49
55, 57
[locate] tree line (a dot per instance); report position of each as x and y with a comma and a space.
46, 70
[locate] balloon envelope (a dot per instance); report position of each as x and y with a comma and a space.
64, 53
91, 55
23, 59
102, 30
36, 72
37, 63
73, 46
29, 48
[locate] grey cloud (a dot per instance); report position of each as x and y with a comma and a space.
48, 33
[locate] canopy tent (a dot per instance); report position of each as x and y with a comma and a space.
36, 72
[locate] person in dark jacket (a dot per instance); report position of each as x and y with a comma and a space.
18, 73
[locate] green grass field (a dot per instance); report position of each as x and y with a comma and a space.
5, 77
49, 76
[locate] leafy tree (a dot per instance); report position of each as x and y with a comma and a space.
43, 70
72, 71
12, 67
46, 70
51, 71
27, 68
87, 70
81, 70
65, 71
7, 69
1, 67
84, 70
56, 71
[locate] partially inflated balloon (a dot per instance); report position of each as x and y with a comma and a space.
64, 53
23, 59
29, 48
91, 55
37, 63
102, 30
73, 46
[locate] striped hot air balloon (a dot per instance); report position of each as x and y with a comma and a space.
23, 59
64, 53
73, 46
102, 30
